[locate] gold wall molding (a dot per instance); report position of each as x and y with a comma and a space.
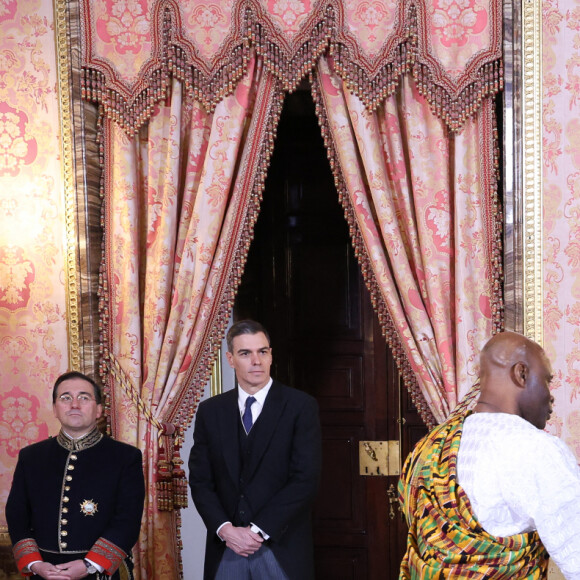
81, 181
67, 164
522, 168
216, 375
532, 187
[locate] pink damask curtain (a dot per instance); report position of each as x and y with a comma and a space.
181, 197
190, 94
425, 209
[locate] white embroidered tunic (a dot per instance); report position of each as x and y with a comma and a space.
519, 478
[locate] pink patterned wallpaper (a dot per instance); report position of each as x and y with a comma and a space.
33, 339
561, 175
33, 332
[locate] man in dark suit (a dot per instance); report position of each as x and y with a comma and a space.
254, 469
76, 501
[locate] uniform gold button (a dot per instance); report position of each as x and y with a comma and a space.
73, 457
64, 533
65, 499
64, 522
68, 477
63, 545
70, 467
67, 487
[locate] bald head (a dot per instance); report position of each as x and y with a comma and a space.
515, 375
505, 349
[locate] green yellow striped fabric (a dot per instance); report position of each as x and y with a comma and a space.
445, 539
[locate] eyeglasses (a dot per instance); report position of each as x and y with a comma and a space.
81, 399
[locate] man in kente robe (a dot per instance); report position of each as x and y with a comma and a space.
488, 493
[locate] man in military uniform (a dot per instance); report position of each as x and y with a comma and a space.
76, 502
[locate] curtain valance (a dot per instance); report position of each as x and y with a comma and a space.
130, 49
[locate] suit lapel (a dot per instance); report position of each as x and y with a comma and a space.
228, 425
265, 427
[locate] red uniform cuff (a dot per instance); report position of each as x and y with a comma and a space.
25, 552
107, 555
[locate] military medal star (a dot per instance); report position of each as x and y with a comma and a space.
89, 507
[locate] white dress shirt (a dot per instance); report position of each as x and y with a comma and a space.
519, 478
256, 409
260, 397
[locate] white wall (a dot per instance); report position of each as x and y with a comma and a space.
192, 527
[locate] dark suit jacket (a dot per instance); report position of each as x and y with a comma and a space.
278, 483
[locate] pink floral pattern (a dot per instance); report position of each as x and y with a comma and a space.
19, 424
429, 251
455, 21
207, 22
373, 22
17, 147
459, 29
122, 34
7, 10
165, 279
289, 13
33, 324
561, 196
437, 218
16, 276
125, 25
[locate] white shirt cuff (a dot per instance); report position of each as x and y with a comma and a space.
31, 564
254, 528
97, 566
218, 530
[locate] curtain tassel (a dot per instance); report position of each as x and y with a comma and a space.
171, 482
179, 481
163, 482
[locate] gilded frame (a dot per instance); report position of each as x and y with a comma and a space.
64, 68
81, 178
532, 168
522, 168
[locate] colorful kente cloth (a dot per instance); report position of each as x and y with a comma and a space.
445, 539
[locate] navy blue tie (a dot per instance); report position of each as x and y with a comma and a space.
247, 418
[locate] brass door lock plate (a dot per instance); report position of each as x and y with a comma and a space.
379, 457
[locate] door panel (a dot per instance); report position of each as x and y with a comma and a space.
339, 509
338, 379
303, 282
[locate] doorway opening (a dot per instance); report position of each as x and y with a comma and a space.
303, 282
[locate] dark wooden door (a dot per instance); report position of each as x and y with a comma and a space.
302, 281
